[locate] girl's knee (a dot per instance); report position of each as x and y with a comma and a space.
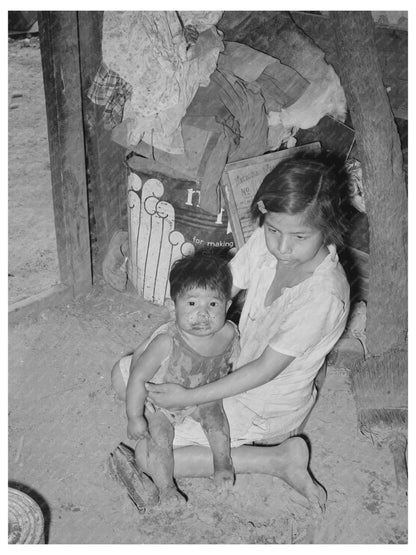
117, 381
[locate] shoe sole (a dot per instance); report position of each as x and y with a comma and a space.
140, 488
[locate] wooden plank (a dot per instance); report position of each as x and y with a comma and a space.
58, 34
384, 185
240, 181
35, 304
107, 172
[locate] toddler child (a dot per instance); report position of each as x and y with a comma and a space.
198, 347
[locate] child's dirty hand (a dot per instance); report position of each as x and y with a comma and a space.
168, 395
137, 428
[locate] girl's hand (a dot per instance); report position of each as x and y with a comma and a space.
168, 395
137, 428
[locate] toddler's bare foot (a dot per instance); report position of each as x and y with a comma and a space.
224, 480
171, 498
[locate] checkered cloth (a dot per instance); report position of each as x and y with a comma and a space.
112, 91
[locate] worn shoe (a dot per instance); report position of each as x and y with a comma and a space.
140, 488
114, 264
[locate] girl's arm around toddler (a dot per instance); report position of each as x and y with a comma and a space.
254, 374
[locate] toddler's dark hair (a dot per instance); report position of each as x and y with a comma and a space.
205, 269
314, 184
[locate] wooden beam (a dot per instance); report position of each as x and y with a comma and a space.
35, 304
383, 179
58, 33
107, 172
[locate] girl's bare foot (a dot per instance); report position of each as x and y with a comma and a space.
171, 498
294, 454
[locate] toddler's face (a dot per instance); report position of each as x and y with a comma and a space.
200, 311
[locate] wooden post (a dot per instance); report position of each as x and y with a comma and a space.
107, 172
383, 179
58, 32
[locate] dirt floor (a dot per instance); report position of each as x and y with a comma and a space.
64, 419
33, 261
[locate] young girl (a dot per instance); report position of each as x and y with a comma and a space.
296, 308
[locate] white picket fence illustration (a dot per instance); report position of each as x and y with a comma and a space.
154, 242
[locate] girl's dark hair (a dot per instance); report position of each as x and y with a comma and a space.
205, 269
314, 184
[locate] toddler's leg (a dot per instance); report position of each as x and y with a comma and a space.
215, 425
155, 455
